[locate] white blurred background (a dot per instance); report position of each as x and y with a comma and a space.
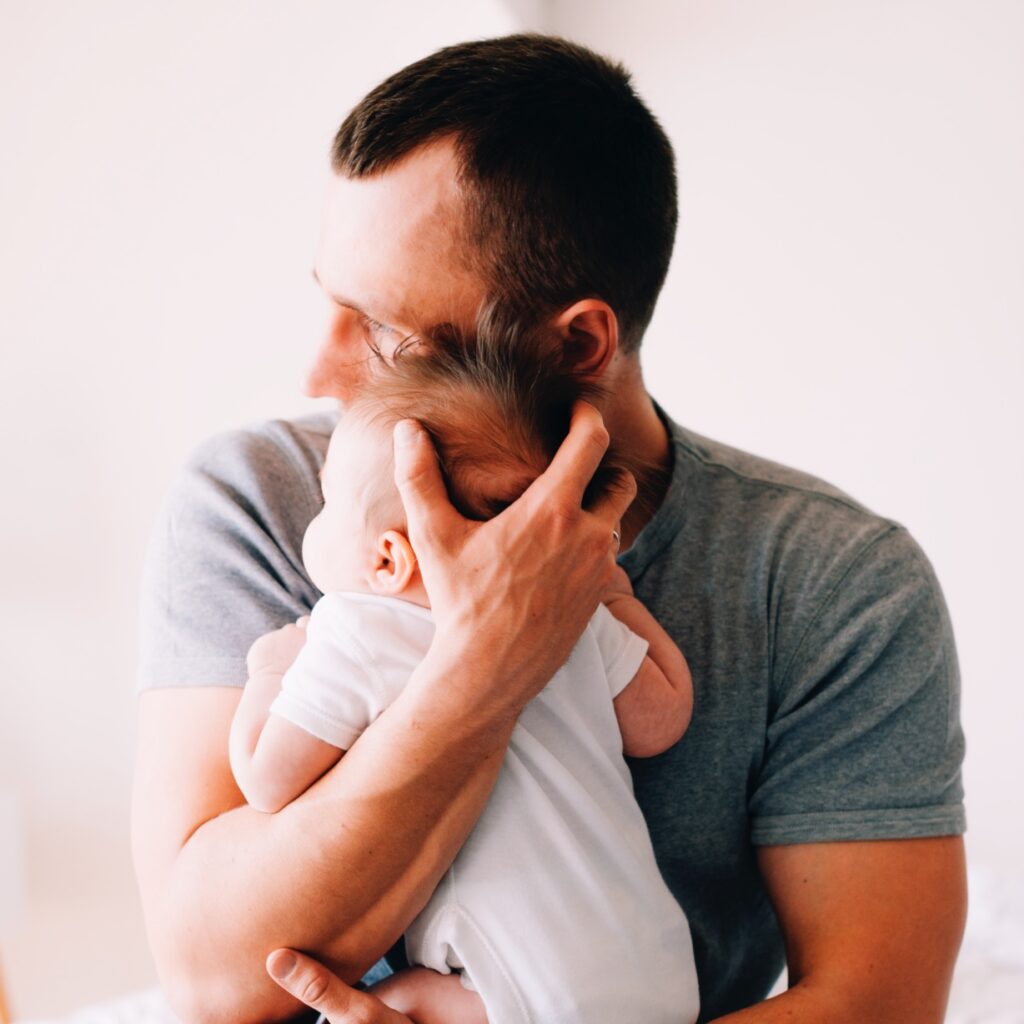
846, 297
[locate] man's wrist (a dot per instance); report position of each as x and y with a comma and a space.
465, 688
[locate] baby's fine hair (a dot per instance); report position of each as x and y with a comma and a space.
497, 406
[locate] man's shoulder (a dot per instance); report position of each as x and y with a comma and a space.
755, 495
294, 446
789, 536
756, 472
259, 479
224, 563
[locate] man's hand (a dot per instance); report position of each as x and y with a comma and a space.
311, 983
512, 595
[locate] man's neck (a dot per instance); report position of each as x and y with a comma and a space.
641, 439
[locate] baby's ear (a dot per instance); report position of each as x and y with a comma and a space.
396, 564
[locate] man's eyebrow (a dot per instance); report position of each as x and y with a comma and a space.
348, 303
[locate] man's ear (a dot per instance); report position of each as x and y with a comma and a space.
589, 330
396, 564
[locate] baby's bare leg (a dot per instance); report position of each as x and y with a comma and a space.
427, 997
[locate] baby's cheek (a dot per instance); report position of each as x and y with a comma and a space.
312, 548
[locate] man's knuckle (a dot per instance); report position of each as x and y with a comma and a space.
313, 988
564, 508
412, 476
404, 476
598, 437
594, 546
563, 515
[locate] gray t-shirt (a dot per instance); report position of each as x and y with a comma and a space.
826, 689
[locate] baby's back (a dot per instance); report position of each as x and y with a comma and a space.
555, 907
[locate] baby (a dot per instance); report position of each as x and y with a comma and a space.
554, 911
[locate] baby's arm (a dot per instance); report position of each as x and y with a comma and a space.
427, 997
654, 708
273, 761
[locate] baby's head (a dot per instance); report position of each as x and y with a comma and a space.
496, 407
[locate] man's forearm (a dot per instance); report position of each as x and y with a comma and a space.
339, 872
810, 1004
792, 1007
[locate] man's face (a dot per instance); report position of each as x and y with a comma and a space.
389, 263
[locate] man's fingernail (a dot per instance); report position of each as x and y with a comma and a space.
406, 433
283, 966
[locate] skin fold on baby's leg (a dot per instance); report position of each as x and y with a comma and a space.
427, 997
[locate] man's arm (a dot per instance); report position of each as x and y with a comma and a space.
343, 869
340, 871
872, 930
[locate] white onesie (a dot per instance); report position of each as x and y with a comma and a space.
554, 909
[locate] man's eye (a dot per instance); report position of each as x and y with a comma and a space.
375, 326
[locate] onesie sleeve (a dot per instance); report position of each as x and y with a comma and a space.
224, 562
621, 649
332, 689
864, 738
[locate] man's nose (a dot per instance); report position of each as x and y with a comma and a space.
337, 366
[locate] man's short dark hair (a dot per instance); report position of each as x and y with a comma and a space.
569, 178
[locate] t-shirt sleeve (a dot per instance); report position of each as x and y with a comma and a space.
621, 649
864, 737
224, 561
332, 689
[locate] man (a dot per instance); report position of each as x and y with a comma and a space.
812, 814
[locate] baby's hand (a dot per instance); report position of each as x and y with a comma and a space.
274, 652
620, 586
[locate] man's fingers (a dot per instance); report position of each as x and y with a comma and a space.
311, 983
618, 496
578, 456
428, 510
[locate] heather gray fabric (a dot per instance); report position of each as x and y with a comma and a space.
825, 675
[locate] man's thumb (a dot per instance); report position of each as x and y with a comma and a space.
418, 477
311, 983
